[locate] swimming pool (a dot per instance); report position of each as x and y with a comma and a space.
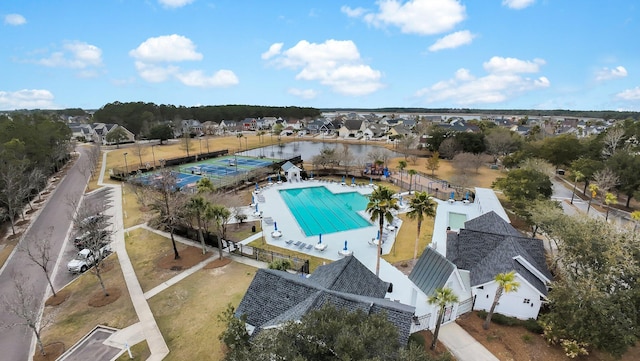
317, 210
456, 220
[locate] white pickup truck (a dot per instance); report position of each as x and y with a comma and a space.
85, 259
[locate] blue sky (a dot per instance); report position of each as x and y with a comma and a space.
489, 54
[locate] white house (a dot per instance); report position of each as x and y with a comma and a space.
292, 172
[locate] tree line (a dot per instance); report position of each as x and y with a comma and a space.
140, 117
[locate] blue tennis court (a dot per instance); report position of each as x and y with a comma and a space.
182, 179
317, 210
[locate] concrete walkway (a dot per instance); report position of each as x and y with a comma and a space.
462, 345
147, 326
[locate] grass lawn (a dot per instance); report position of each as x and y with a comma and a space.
132, 212
6, 250
74, 317
187, 312
145, 249
140, 352
484, 178
406, 239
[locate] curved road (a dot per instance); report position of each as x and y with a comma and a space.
15, 342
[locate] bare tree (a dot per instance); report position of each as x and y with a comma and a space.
37, 180
449, 148
501, 141
139, 150
26, 307
611, 141
346, 158
606, 179
13, 189
168, 201
464, 162
413, 159
408, 142
38, 251
185, 143
539, 165
142, 193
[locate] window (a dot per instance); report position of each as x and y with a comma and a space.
526, 300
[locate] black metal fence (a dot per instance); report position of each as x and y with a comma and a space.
298, 264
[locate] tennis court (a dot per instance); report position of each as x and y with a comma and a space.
221, 171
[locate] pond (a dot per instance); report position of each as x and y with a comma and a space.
309, 149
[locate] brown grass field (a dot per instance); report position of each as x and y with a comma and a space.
187, 312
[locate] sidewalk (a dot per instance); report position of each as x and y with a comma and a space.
462, 345
147, 325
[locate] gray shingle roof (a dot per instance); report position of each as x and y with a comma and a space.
431, 271
275, 297
485, 254
491, 222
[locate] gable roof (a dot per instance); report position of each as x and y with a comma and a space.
431, 271
353, 124
491, 222
288, 165
350, 276
275, 297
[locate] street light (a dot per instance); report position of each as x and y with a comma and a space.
126, 167
246, 146
200, 141
154, 155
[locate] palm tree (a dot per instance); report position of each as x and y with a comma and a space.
197, 206
411, 172
204, 185
594, 192
441, 297
577, 176
421, 205
506, 283
222, 215
402, 164
381, 202
609, 198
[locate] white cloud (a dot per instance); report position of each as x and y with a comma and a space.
166, 48
423, 17
303, 93
517, 4
274, 50
453, 40
174, 3
499, 64
27, 99
221, 78
334, 63
14, 19
155, 73
153, 54
608, 74
502, 83
353, 13
630, 94
75, 55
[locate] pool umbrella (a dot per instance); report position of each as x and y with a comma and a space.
269, 179
275, 226
320, 238
345, 245
311, 174
378, 235
256, 207
253, 200
452, 196
342, 179
257, 186
278, 177
400, 200
466, 196
370, 180
353, 180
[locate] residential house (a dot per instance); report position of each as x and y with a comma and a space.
489, 245
352, 128
276, 297
330, 127
294, 123
229, 126
520, 129
248, 124
102, 129
374, 131
191, 126
210, 128
313, 127
433, 271
82, 131
292, 172
399, 130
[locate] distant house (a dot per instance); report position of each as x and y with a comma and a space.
191, 126
487, 246
276, 297
102, 129
351, 128
82, 131
229, 126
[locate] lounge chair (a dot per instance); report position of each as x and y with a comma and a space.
297, 243
289, 241
302, 245
309, 246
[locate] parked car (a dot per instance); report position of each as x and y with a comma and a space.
92, 220
81, 240
85, 259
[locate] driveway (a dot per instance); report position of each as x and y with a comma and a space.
15, 342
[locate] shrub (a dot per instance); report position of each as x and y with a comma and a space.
504, 320
526, 338
417, 339
533, 326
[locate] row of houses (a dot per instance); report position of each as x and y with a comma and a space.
98, 132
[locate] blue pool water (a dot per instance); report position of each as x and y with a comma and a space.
317, 210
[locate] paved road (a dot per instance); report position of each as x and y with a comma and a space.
15, 342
